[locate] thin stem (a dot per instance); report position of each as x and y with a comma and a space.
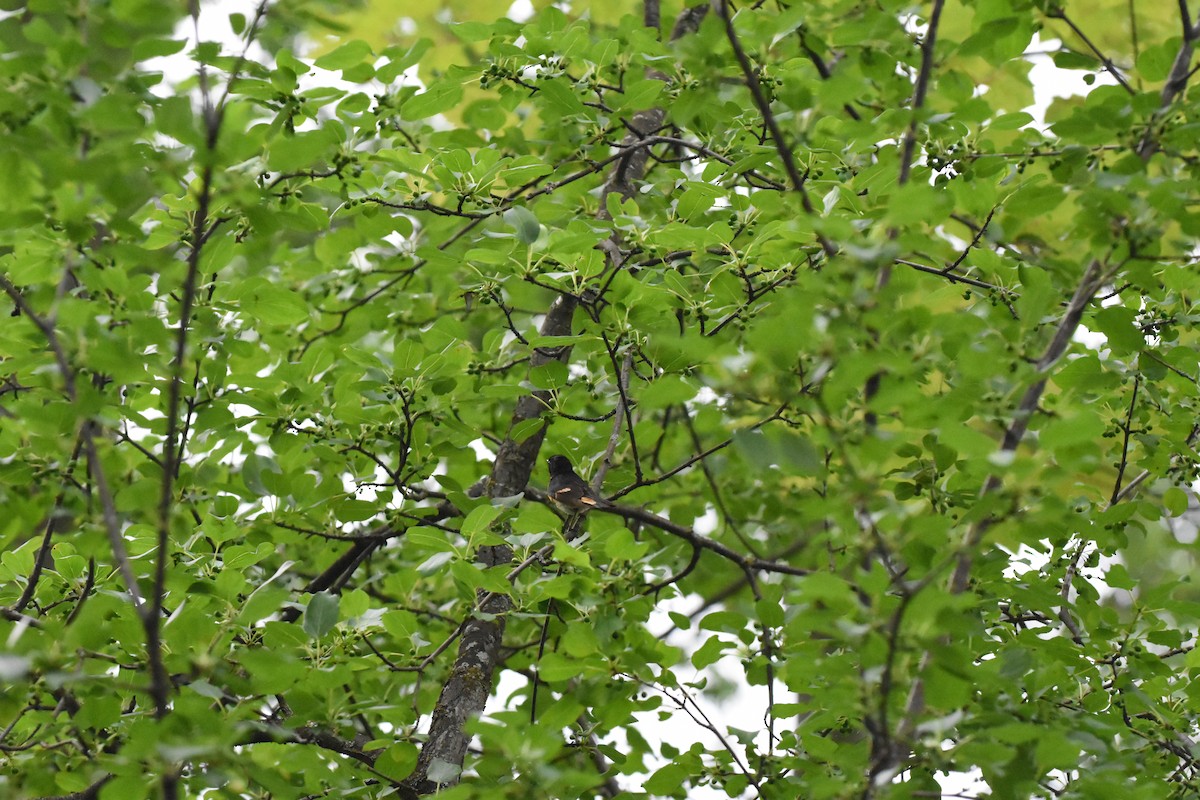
920, 89
764, 108
1105, 60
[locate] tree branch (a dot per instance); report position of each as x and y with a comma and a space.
886, 762
1059, 13
1177, 79
764, 108
470, 683
920, 89
86, 433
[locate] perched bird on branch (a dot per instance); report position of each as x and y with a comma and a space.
571, 491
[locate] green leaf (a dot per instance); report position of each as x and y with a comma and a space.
1154, 62
526, 428
274, 305
1056, 751
559, 98
1037, 295
440, 771
769, 612
641, 94
157, 48
321, 614
1176, 501
621, 546
723, 621
344, 56
439, 98
302, 150
666, 391
1119, 325
407, 356
1006, 122
125, 787
579, 641
666, 780
354, 604
399, 61
1085, 373
523, 221
435, 563
1082, 427
1119, 578
710, 652
479, 521
398, 761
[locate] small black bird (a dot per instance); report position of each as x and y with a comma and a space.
571, 491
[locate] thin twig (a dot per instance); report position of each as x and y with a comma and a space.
698, 456
1127, 429
1091, 281
1093, 277
1177, 79
974, 242
764, 108
654, 588
1059, 13
1064, 593
622, 413
43, 553
96, 469
920, 89
686, 705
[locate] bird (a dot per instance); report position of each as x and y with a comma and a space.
571, 491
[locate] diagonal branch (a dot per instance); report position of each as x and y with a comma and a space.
1092, 280
920, 89
908, 149
1177, 79
87, 434
1127, 430
172, 448
764, 107
469, 685
212, 114
622, 416
54, 524
1059, 13
907, 152
887, 757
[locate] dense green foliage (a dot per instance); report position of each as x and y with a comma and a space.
825, 286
